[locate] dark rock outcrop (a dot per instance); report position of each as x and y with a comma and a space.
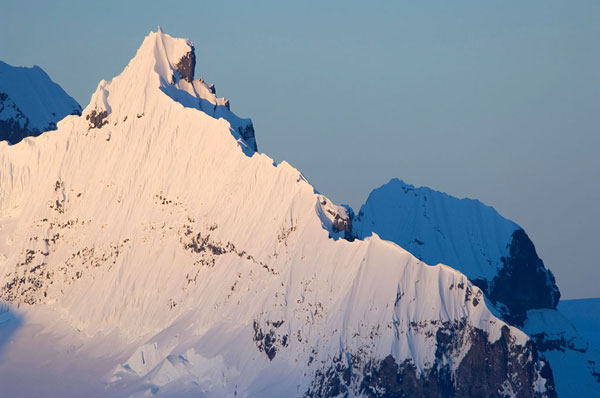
186, 66
487, 370
247, 133
97, 119
269, 341
523, 283
342, 224
546, 342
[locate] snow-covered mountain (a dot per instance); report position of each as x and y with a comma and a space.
163, 256
30, 103
495, 253
497, 256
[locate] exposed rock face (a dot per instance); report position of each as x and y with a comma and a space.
523, 283
547, 342
491, 370
200, 94
336, 219
270, 341
247, 133
499, 369
97, 119
342, 224
186, 66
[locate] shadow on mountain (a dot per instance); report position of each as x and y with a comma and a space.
241, 129
10, 322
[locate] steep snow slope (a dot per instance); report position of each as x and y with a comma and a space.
153, 230
30, 102
496, 255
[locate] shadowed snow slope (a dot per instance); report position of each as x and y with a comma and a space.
161, 241
30, 103
495, 253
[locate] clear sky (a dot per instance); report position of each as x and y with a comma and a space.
495, 100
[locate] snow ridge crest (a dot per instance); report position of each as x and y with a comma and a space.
162, 65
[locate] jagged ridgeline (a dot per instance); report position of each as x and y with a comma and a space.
151, 227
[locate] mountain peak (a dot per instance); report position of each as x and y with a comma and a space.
169, 54
163, 65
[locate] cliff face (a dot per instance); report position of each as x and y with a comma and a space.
187, 65
523, 283
498, 369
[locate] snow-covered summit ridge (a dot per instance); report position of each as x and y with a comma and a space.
30, 102
162, 70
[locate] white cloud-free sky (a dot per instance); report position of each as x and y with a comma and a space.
497, 100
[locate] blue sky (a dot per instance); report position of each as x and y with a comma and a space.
492, 100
